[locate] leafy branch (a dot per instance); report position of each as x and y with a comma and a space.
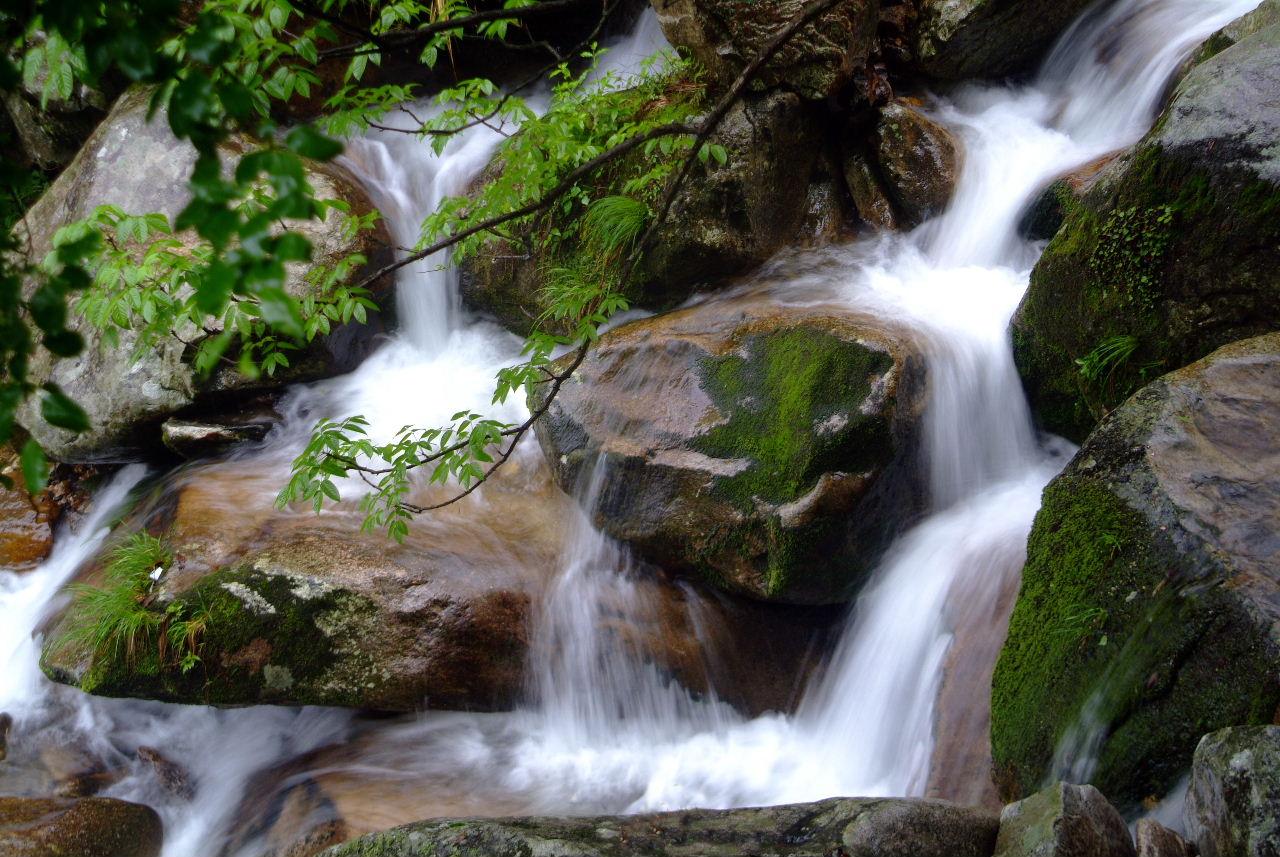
339, 449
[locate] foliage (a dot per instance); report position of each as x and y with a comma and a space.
1131, 250
121, 620
1099, 366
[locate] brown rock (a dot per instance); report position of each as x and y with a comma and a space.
1153, 839
89, 827
917, 159
26, 523
764, 449
725, 35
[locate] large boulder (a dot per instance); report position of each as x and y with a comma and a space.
1064, 820
89, 827
857, 827
725, 35
722, 223
296, 609
138, 165
985, 38
1233, 801
1149, 612
766, 450
1172, 253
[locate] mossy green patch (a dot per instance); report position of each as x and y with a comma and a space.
1118, 631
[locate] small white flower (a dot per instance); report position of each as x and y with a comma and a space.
156, 572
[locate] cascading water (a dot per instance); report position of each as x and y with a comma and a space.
604, 730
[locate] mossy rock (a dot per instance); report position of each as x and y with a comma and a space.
858, 827
1174, 250
1148, 610
726, 220
767, 451
87, 827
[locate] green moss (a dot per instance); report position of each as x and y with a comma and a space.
778, 398
1103, 624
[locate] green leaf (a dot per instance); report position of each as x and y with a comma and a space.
281, 311
35, 467
306, 141
59, 410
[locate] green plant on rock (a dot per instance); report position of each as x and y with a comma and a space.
122, 622
1130, 251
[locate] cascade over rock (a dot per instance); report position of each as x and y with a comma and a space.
765, 449
858, 827
723, 223
1172, 253
724, 35
140, 167
987, 38
309, 611
1233, 801
1148, 611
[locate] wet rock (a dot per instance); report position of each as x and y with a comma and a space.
200, 440
90, 827
172, 777
140, 167
723, 223
1064, 820
1233, 803
291, 819
1046, 214
859, 827
870, 198
51, 126
987, 38
1171, 254
725, 35
1266, 15
1153, 839
26, 522
1148, 611
917, 159
766, 450
295, 609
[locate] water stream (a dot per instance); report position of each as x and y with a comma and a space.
604, 730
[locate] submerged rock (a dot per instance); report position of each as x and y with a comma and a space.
1064, 820
857, 827
89, 827
1172, 253
766, 450
725, 35
1233, 802
139, 166
1149, 612
1153, 839
986, 38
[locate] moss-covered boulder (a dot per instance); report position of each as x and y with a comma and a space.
1149, 612
857, 827
1174, 252
985, 38
725, 35
139, 166
765, 450
1233, 801
90, 827
725, 221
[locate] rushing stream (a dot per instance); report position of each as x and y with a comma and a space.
604, 730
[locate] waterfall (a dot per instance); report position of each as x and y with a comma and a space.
604, 730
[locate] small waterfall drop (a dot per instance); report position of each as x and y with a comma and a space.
604, 730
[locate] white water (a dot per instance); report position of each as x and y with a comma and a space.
605, 731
